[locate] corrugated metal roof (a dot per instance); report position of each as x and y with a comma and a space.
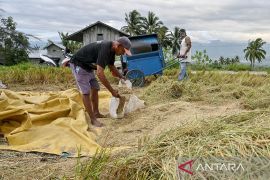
61, 46
36, 53
78, 36
56, 44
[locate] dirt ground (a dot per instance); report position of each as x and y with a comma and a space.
147, 122
152, 120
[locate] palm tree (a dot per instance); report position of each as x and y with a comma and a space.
254, 51
175, 40
164, 36
134, 23
221, 60
234, 60
151, 24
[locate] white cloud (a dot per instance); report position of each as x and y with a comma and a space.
205, 20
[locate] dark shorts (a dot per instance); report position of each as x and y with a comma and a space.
85, 80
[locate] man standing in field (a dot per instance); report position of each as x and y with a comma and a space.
96, 56
184, 54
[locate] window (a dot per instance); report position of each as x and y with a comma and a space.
99, 37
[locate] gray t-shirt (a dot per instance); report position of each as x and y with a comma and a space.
99, 53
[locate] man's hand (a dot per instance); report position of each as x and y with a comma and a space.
115, 94
105, 82
182, 56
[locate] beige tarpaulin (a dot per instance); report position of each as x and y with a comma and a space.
48, 122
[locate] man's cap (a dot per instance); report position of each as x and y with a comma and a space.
125, 42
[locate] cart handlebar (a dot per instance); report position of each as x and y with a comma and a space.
167, 66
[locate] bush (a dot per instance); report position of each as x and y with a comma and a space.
237, 67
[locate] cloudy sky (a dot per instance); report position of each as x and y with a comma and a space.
205, 20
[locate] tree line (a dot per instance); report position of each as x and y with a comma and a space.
14, 45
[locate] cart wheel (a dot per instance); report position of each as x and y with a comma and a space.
136, 77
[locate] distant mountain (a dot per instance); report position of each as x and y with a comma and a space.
217, 48
41, 44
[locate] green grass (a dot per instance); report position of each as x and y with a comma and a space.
213, 67
231, 67
92, 168
27, 73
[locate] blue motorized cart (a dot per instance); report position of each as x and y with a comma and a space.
147, 58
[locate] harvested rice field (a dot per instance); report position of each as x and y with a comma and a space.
210, 115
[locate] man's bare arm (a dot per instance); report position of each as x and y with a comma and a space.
188, 41
114, 70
